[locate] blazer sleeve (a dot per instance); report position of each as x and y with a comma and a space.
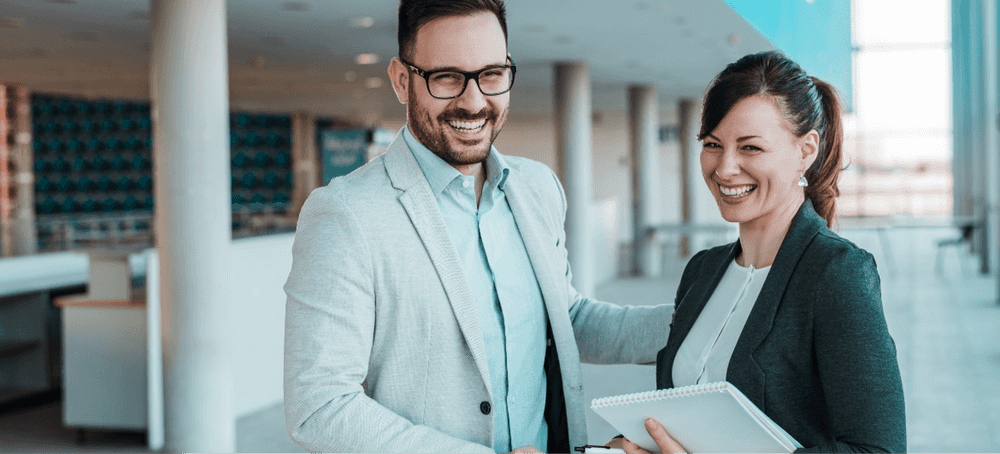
856, 359
329, 330
608, 333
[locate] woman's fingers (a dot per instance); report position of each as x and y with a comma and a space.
662, 438
631, 448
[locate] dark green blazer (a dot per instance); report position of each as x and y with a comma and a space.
815, 354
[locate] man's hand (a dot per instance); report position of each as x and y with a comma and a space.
660, 436
526, 449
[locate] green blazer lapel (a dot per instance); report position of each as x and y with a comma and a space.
750, 381
421, 206
713, 267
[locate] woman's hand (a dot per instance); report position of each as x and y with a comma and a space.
616, 443
660, 436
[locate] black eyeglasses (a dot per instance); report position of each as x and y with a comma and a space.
449, 83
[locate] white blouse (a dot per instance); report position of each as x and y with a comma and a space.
704, 355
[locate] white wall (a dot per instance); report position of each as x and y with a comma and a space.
260, 266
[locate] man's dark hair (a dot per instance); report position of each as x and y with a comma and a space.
414, 14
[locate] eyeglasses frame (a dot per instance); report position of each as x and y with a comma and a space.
474, 75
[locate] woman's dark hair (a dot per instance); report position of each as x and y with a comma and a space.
805, 102
413, 14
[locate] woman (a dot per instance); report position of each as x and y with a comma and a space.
791, 313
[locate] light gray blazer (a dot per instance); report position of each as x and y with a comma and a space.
383, 346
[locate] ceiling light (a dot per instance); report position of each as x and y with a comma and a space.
11, 22
366, 59
373, 82
350, 76
362, 22
295, 6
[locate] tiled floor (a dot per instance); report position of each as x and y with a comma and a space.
945, 325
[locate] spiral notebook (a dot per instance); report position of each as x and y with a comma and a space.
711, 417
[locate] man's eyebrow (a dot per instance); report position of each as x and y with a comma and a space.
455, 68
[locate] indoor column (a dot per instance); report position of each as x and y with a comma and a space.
189, 84
687, 132
643, 120
573, 151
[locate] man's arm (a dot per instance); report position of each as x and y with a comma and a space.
329, 330
608, 333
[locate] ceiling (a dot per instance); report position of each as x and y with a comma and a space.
301, 55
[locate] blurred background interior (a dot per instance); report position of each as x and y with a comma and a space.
84, 309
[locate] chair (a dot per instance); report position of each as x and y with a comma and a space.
124, 183
257, 202
964, 239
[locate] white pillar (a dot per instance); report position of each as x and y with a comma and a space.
991, 150
189, 84
644, 121
687, 132
574, 139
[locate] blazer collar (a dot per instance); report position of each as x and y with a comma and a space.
422, 208
805, 225
743, 370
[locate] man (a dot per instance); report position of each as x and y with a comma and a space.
429, 304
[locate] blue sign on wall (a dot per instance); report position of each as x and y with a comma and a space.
343, 151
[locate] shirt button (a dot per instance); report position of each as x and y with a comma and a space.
484, 407
465, 184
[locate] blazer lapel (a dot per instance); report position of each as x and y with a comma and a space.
528, 215
421, 206
688, 309
804, 227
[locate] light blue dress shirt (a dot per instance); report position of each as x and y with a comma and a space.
508, 298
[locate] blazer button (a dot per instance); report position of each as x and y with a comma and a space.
484, 407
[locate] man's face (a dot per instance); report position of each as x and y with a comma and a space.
459, 130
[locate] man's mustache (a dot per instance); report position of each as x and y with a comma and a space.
465, 115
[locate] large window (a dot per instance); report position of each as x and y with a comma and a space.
899, 137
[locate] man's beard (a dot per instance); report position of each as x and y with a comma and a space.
422, 128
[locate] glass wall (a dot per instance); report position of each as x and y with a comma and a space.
899, 138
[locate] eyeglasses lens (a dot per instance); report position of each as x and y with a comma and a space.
491, 82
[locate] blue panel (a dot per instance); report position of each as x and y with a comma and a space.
816, 34
343, 151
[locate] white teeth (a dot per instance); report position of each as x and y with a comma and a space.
738, 191
467, 125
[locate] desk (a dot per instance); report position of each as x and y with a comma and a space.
112, 357
104, 363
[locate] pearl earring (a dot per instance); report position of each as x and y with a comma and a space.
802, 180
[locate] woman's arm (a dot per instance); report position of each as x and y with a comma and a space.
856, 358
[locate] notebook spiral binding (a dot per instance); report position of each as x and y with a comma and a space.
660, 394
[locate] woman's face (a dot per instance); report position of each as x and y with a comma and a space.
752, 162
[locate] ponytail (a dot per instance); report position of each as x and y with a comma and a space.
823, 174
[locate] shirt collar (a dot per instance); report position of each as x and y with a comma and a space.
440, 174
